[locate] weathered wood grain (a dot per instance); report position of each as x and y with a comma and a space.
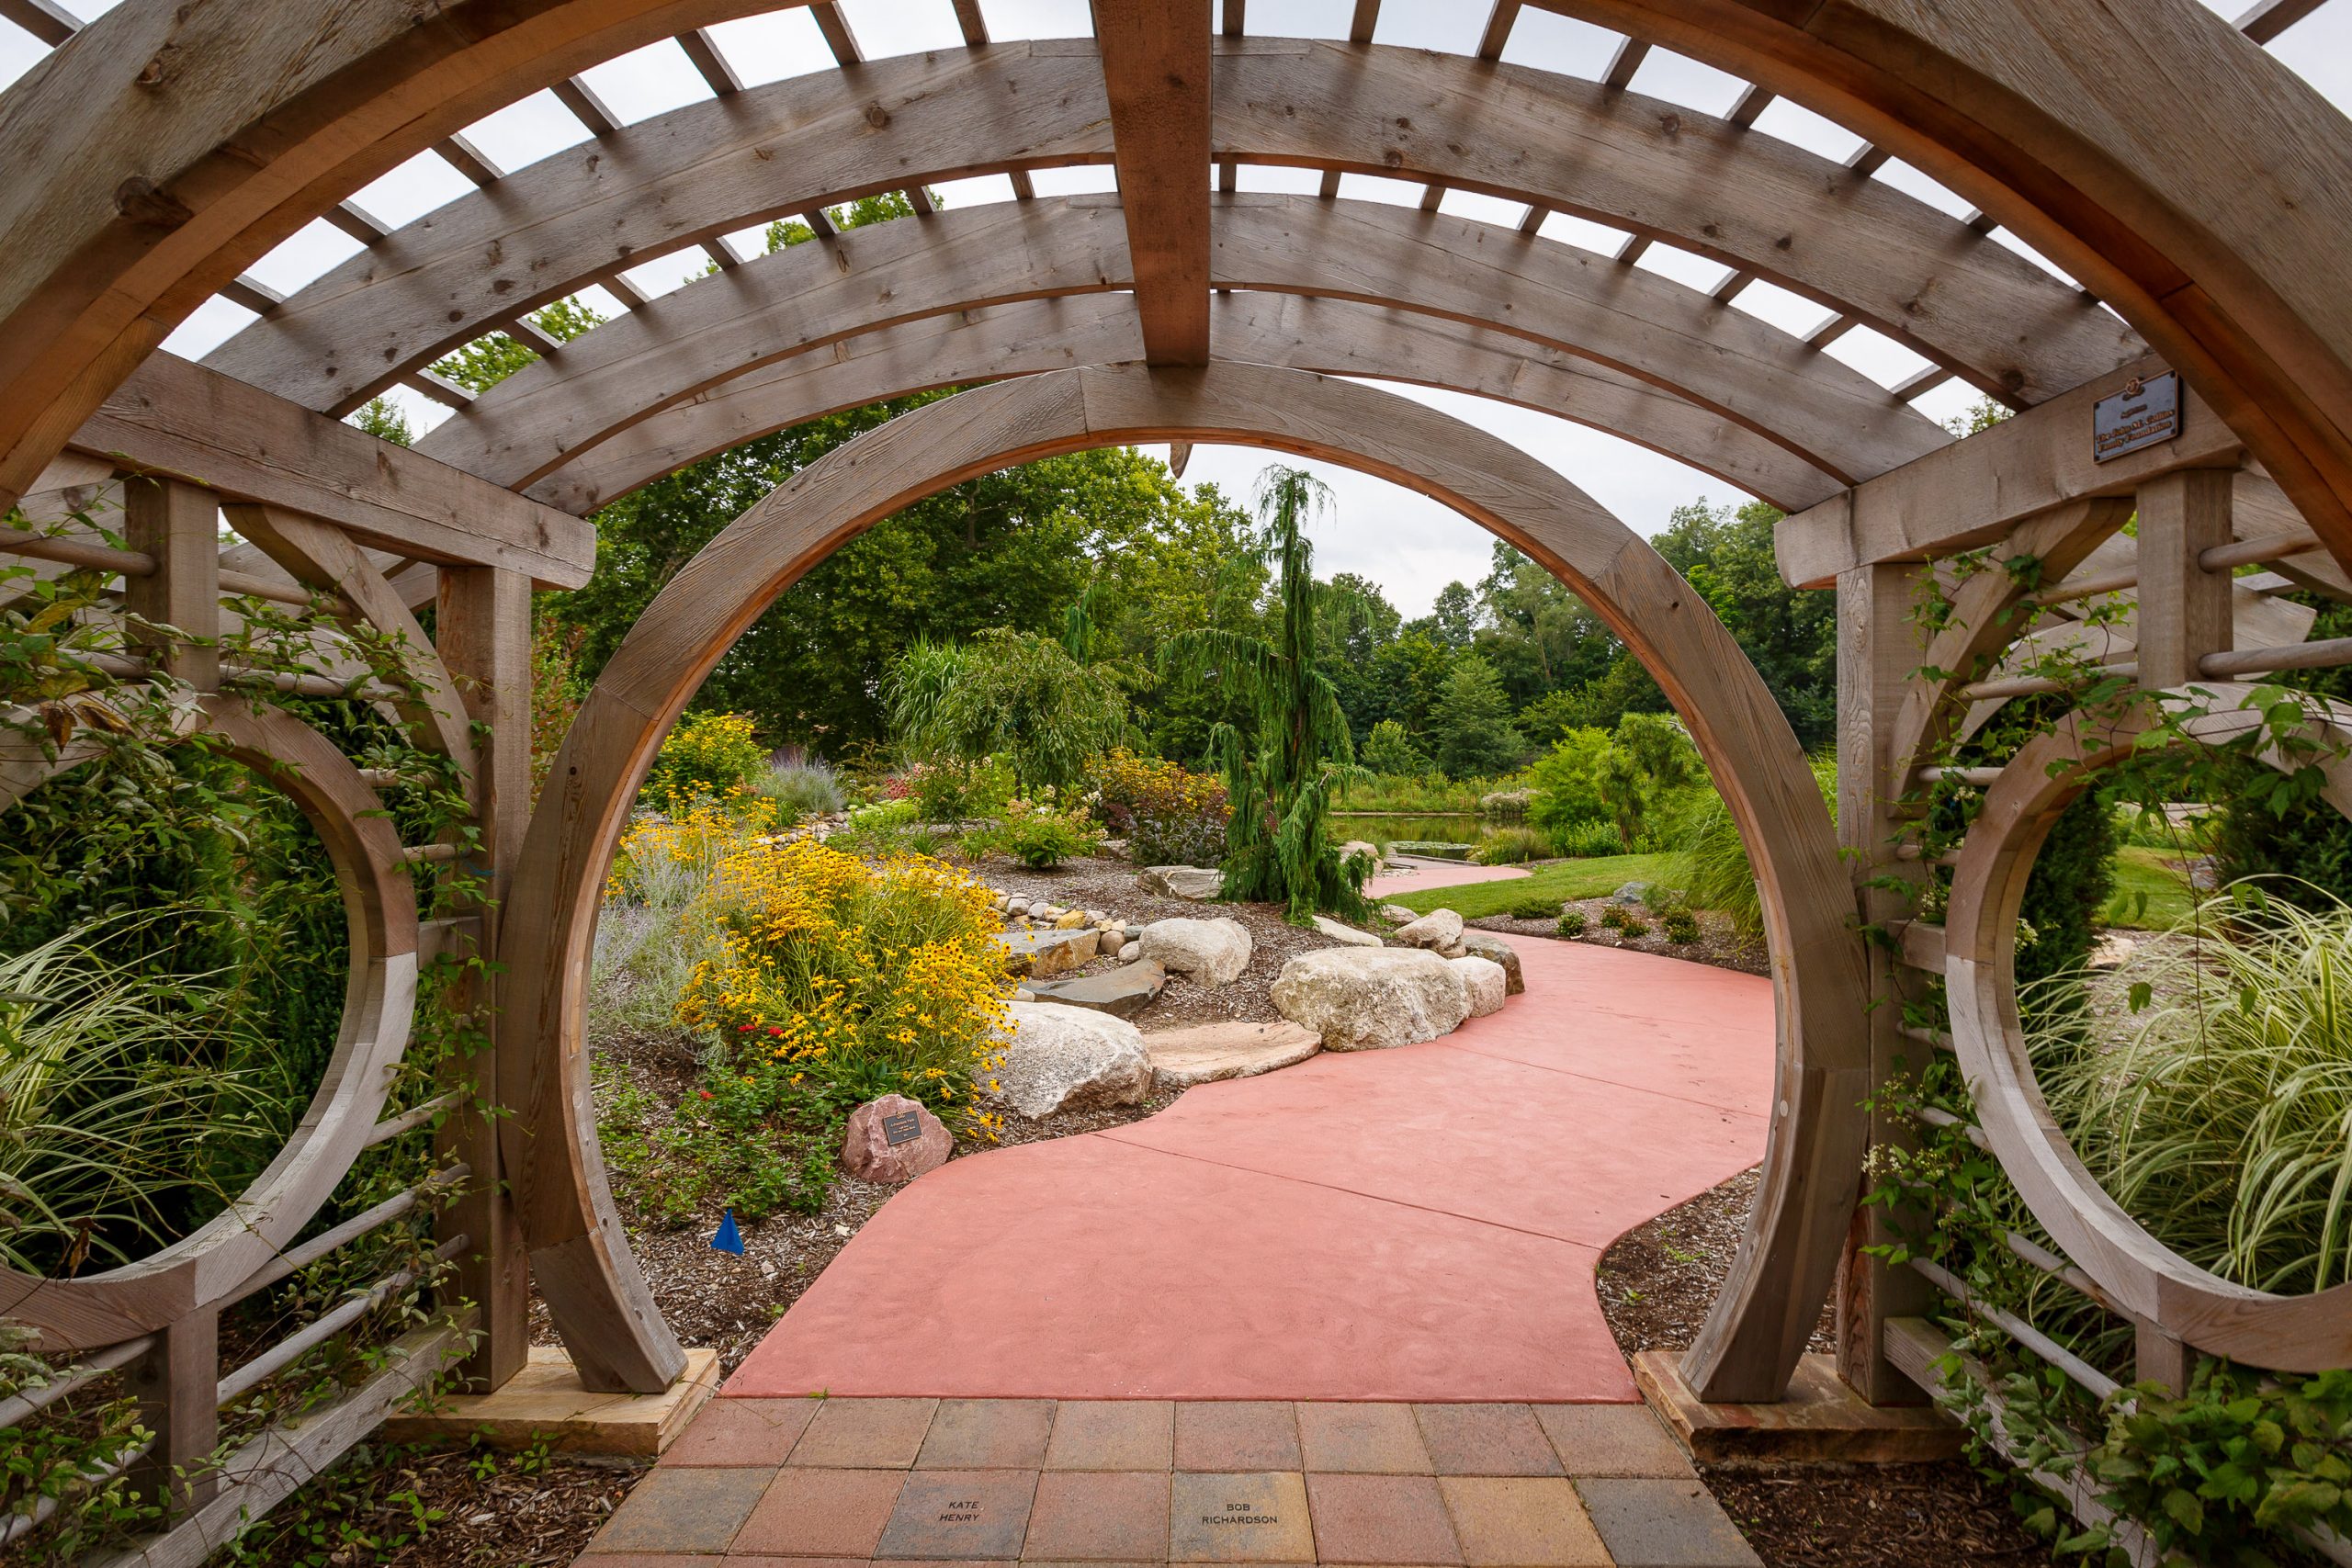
1564, 300
179, 420
1337, 337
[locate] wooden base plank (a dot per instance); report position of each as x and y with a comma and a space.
545, 1401
1821, 1421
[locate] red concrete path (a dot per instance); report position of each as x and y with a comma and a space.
1411, 1224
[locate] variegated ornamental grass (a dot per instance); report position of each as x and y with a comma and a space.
2215, 1104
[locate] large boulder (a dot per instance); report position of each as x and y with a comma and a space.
1067, 1058
1181, 882
1348, 934
1437, 929
1363, 850
1487, 944
1369, 998
1210, 1052
1207, 952
1483, 984
894, 1139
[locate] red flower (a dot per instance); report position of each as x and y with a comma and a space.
742, 1029
775, 1028
706, 1094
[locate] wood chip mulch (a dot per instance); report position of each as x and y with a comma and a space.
1657, 1282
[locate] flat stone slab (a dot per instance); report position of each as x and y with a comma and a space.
1122, 992
545, 1401
1210, 1053
1822, 1419
1042, 954
1346, 933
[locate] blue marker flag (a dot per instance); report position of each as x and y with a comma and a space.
729, 1238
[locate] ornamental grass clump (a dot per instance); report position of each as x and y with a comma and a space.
2213, 1100
828, 978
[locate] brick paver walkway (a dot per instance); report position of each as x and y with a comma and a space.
805, 1482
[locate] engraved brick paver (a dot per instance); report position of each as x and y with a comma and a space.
1113, 1434
1380, 1518
1258, 1517
683, 1511
988, 1434
960, 1515
866, 1434
1613, 1439
1516, 1521
1089, 1515
742, 1431
1362, 1438
823, 1513
1664, 1524
1237, 1434
1486, 1440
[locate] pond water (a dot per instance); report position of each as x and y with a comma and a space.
1388, 830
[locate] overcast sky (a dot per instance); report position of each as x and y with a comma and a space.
1411, 545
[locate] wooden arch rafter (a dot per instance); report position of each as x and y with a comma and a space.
164, 149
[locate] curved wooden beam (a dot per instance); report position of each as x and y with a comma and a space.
127, 205
205, 1266
1747, 199
164, 147
1811, 1166
1337, 337
2037, 110
680, 178
799, 299
1751, 202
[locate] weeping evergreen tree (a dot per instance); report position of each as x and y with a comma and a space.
1278, 846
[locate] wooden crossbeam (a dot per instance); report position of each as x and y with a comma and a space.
46, 20
1499, 25
588, 108
2271, 17
838, 37
1365, 19
1974, 492
1624, 62
711, 65
179, 420
1156, 69
1751, 104
469, 159
975, 26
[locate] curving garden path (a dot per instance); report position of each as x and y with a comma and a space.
1415, 1224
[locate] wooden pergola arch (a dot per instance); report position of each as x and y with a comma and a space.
1772, 1299
160, 151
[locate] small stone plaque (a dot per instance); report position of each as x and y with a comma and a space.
903, 1128
972, 1514
2142, 414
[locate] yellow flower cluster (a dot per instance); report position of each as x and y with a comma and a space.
707, 756
662, 858
841, 971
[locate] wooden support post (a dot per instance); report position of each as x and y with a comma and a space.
1876, 653
483, 632
177, 1383
2160, 1358
2184, 611
179, 527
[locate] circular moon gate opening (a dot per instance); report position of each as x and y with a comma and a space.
2139, 1273
218, 1261
1812, 1156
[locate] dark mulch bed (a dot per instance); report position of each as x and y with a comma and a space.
1657, 1283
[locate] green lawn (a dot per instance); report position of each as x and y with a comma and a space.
1555, 884
2140, 870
